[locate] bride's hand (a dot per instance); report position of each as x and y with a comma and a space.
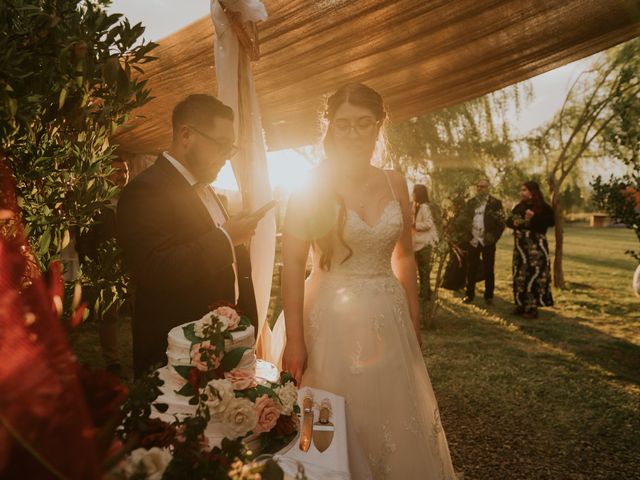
294, 360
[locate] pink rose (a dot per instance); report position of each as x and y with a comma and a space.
201, 354
241, 378
268, 414
228, 316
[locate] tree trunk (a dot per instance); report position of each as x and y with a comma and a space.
432, 304
558, 271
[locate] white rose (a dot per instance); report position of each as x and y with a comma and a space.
200, 325
152, 463
224, 323
219, 395
228, 317
239, 418
288, 396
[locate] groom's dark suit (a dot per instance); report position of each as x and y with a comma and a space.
180, 260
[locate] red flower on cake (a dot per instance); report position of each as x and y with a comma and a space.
193, 377
268, 414
241, 378
287, 425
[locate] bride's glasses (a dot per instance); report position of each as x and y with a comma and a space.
226, 149
363, 126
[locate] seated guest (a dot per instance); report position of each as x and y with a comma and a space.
530, 220
184, 252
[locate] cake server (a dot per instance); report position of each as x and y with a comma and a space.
323, 429
307, 423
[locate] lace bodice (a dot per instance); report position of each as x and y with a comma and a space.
372, 245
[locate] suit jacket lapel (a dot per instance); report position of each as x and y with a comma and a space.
222, 209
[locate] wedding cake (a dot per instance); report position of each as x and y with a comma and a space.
212, 364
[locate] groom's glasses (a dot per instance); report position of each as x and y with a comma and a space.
363, 126
226, 149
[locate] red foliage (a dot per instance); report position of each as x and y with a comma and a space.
46, 425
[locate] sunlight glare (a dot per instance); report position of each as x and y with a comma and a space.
288, 170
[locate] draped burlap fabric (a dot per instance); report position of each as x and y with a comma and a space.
421, 55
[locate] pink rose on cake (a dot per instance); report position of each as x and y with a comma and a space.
267, 412
228, 317
239, 418
241, 378
204, 356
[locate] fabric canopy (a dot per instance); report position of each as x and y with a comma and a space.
420, 55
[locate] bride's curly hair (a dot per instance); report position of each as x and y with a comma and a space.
359, 95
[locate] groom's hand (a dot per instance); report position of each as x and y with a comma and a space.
241, 228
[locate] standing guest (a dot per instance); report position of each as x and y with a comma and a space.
425, 237
530, 220
88, 246
184, 252
487, 225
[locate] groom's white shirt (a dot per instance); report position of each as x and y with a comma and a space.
212, 204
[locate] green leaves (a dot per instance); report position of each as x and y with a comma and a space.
183, 370
186, 390
190, 334
66, 83
232, 358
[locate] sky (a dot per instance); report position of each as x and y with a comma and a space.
286, 168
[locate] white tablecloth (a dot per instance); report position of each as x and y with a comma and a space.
333, 463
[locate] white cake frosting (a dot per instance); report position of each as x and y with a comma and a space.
179, 348
179, 353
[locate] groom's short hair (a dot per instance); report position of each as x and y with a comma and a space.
198, 109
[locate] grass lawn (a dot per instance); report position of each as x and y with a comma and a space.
553, 398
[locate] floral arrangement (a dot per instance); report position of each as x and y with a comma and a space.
177, 450
247, 408
209, 361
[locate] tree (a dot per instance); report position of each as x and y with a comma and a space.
580, 129
473, 135
456, 146
619, 195
66, 84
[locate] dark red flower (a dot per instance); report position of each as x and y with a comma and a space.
103, 393
286, 425
193, 377
157, 433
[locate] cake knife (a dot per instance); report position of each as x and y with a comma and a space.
307, 423
323, 429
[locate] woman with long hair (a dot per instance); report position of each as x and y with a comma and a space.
530, 220
353, 325
425, 237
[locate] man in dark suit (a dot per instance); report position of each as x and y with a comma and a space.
183, 250
487, 223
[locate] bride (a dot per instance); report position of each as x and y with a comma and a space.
353, 325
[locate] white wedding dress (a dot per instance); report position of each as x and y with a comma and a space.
361, 345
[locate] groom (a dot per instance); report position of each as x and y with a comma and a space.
183, 250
